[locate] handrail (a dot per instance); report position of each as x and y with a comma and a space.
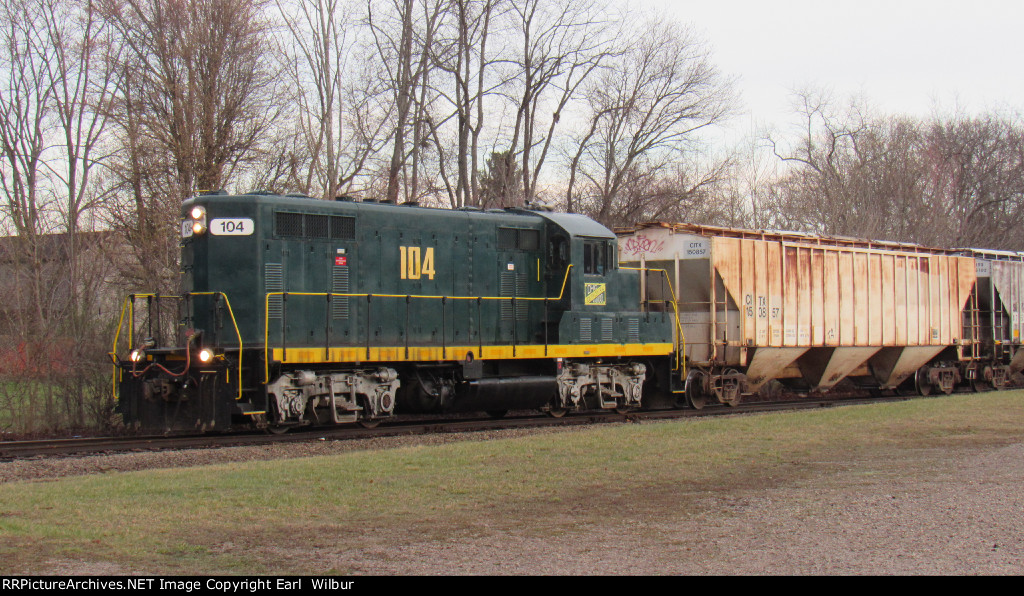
681, 349
238, 333
129, 304
266, 307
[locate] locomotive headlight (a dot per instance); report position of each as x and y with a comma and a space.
136, 355
205, 355
198, 214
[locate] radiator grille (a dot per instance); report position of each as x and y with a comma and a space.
316, 226
343, 228
506, 238
288, 224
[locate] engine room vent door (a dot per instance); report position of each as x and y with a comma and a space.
585, 334
634, 330
339, 285
513, 284
274, 282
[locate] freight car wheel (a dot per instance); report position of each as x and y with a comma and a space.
696, 396
905, 389
921, 382
497, 414
980, 386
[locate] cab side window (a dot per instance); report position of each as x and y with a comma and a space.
595, 254
558, 253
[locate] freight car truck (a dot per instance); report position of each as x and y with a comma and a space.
807, 311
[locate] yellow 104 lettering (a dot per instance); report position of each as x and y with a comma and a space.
417, 262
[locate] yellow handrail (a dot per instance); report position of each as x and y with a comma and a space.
129, 304
266, 307
238, 333
681, 349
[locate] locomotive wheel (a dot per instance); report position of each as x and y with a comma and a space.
557, 412
369, 422
277, 429
623, 410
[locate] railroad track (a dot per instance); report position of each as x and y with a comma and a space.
14, 450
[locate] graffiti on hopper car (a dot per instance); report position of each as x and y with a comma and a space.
640, 244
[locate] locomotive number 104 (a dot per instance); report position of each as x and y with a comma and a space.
417, 262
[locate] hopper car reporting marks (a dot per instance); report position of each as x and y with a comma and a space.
296, 311
809, 311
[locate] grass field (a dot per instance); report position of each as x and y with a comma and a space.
239, 519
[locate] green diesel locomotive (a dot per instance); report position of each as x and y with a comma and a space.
295, 311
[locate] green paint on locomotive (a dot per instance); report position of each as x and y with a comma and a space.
360, 274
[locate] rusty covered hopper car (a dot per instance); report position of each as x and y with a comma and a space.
995, 314
808, 311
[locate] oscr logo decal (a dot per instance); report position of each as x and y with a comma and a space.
595, 294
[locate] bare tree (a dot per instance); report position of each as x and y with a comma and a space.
341, 119
644, 109
27, 115
562, 44
975, 179
82, 88
947, 181
51, 129
395, 42
196, 93
691, 189
825, 190
473, 26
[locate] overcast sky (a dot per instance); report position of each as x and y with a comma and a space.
905, 56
